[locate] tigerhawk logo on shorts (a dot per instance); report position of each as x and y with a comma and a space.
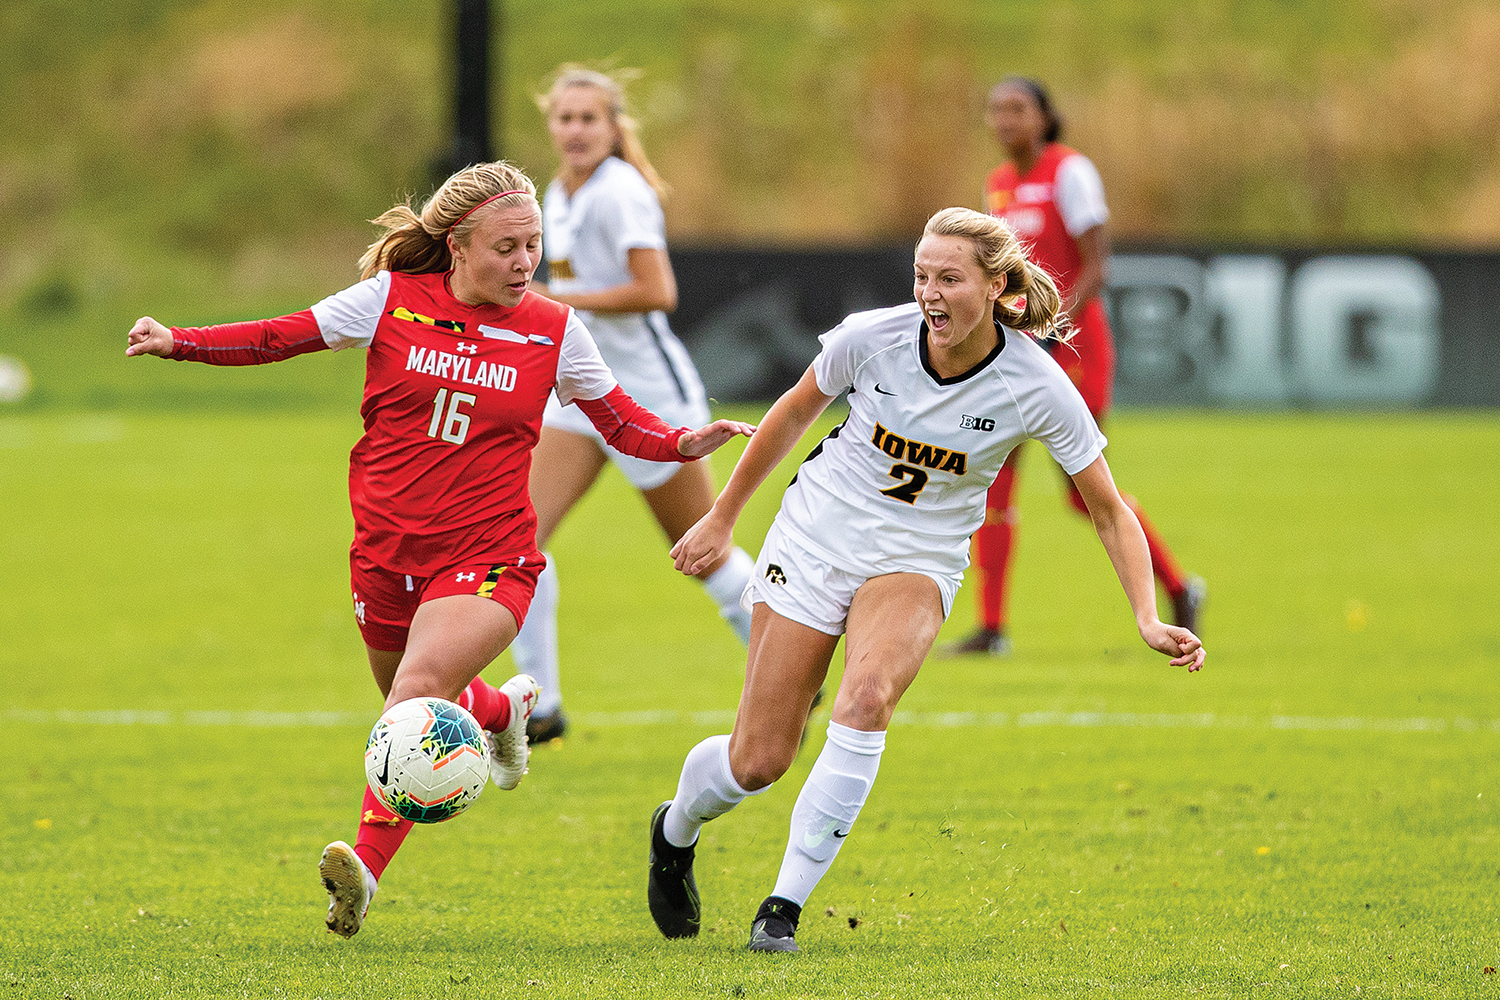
774, 574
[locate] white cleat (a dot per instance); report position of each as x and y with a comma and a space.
509, 749
350, 888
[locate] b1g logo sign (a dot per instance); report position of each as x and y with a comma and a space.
1252, 329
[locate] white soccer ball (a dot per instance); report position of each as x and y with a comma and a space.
15, 379
427, 760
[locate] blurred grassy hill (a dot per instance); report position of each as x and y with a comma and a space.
218, 160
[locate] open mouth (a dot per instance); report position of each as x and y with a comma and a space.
937, 320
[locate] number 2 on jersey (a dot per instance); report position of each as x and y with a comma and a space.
913, 481
454, 427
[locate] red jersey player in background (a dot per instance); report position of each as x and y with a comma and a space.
461, 359
1053, 200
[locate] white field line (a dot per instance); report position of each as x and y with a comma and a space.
725, 719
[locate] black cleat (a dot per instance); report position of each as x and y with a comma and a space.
981, 642
775, 926
1188, 605
671, 891
546, 728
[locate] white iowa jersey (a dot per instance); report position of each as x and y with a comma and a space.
900, 484
588, 239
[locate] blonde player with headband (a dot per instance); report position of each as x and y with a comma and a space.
461, 359
607, 257
871, 543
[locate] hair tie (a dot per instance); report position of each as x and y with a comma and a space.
486, 201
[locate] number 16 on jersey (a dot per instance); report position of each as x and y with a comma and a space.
454, 425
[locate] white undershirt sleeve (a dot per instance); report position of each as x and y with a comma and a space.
1079, 195
581, 371
349, 318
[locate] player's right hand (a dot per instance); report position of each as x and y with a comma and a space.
149, 337
1185, 648
702, 545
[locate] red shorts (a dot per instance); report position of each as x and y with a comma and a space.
384, 600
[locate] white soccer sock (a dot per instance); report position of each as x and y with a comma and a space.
535, 648
706, 790
726, 585
826, 808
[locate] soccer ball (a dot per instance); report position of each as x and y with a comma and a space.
15, 379
427, 760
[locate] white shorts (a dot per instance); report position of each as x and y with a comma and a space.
663, 397
799, 584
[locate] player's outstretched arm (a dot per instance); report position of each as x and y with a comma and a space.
148, 337
783, 426
1125, 542
708, 439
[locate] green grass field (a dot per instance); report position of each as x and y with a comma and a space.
185, 705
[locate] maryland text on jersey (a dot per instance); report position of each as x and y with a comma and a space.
920, 453
457, 368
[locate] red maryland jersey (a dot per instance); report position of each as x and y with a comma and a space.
1061, 187
452, 408
1029, 206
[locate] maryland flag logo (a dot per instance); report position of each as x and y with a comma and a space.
401, 312
487, 588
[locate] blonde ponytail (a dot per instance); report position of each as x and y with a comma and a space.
416, 242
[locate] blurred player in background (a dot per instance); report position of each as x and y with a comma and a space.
1053, 200
606, 254
462, 358
872, 539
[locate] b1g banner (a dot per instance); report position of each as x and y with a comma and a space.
1230, 328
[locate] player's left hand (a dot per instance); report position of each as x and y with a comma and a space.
707, 440
1185, 648
148, 337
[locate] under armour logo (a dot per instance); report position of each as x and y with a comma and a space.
359, 610
463, 348
774, 574
466, 578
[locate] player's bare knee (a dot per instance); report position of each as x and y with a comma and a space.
866, 702
419, 679
756, 767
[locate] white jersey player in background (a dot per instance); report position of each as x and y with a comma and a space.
872, 539
606, 249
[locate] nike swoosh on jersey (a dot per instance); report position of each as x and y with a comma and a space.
883, 392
